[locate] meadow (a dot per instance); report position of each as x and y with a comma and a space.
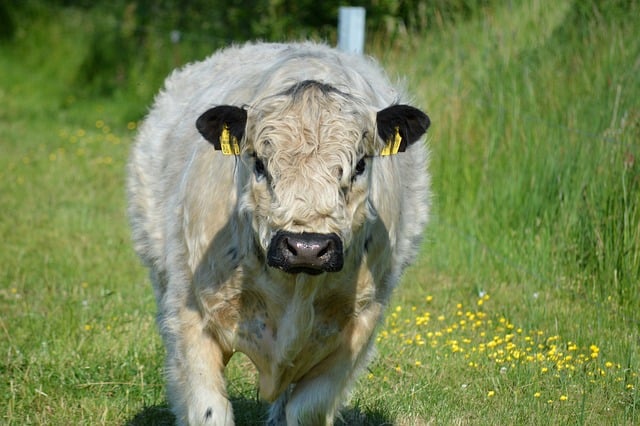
523, 307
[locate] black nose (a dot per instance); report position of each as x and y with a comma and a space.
307, 252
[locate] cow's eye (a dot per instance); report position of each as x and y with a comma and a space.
259, 168
360, 167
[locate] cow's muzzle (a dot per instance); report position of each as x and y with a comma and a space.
307, 252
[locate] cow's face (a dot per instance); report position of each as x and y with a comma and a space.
308, 154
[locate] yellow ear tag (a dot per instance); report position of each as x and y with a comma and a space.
393, 145
228, 143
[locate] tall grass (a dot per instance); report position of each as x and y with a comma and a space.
535, 146
522, 309
537, 142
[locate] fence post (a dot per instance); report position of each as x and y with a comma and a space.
351, 21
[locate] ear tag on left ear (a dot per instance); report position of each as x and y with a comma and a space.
228, 143
393, 145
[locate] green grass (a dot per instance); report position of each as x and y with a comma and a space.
523, 307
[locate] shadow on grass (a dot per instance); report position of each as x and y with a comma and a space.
252, 412
150, 416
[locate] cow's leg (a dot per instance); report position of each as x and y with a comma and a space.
316, 399
195, 373
277, 410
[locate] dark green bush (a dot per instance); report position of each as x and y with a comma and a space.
7, 25
130, 40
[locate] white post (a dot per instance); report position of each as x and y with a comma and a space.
351, 22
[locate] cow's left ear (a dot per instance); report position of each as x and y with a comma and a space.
399, 126
223, 126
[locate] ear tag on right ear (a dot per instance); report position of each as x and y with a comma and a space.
393, 145
228, 143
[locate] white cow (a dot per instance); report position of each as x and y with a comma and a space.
276, 193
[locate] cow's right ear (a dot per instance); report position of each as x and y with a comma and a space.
223, 126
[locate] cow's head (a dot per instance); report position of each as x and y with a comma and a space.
308, 154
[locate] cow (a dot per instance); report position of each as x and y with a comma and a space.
276, 192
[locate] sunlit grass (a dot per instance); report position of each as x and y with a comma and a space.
444, 359
486, 342
521, 309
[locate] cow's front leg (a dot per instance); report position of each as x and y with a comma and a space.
310, 402
195, 373
316, 399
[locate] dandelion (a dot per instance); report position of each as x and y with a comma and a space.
477, 338
87, 327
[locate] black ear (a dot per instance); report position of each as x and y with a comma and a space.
223, 126
399, 126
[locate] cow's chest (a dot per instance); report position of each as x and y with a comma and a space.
288, 340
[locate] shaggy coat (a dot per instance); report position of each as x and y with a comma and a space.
270, 197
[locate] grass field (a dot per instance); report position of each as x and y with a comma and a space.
523, 308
